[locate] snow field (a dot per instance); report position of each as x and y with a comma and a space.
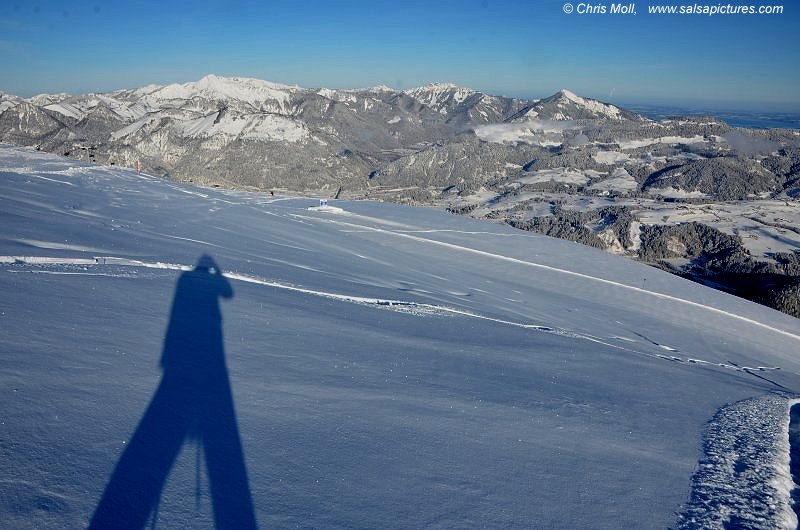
391, 367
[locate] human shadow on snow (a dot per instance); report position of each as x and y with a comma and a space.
193, 401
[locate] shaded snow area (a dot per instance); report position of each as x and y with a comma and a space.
181, 357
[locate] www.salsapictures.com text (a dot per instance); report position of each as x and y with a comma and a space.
714, 9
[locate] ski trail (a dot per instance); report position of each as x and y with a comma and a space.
151, 232
66, 183
447, 230
184, 189
52, 245
387, 303
559, 270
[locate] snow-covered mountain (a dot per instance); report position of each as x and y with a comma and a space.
441, 95
235, 131
565, 105
248, 132
372, 365
464, 106
260, 95
9, 100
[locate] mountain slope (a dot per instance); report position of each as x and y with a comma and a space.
389, 366
463, 106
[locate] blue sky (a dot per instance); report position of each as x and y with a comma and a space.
528, 49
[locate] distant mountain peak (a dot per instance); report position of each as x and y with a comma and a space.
568, 94
47, 99
436, 86
381, 88
213, 81
566, 105
255, 92
441, 97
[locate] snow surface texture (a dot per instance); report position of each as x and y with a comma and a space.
389, 366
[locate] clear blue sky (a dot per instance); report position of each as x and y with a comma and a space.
519, 48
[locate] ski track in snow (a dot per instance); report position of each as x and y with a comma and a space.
403, 306
160, 234
52, 245
561, 271
66, 183
446, 230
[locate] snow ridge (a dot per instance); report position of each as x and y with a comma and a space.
743, 481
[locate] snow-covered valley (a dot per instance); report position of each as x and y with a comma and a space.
389, 367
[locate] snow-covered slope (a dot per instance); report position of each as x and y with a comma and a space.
390, 367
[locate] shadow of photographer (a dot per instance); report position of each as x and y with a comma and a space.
192, 402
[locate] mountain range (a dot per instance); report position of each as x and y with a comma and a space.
235, 131
665, 191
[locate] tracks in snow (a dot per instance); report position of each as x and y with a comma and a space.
559, 270
403, 306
